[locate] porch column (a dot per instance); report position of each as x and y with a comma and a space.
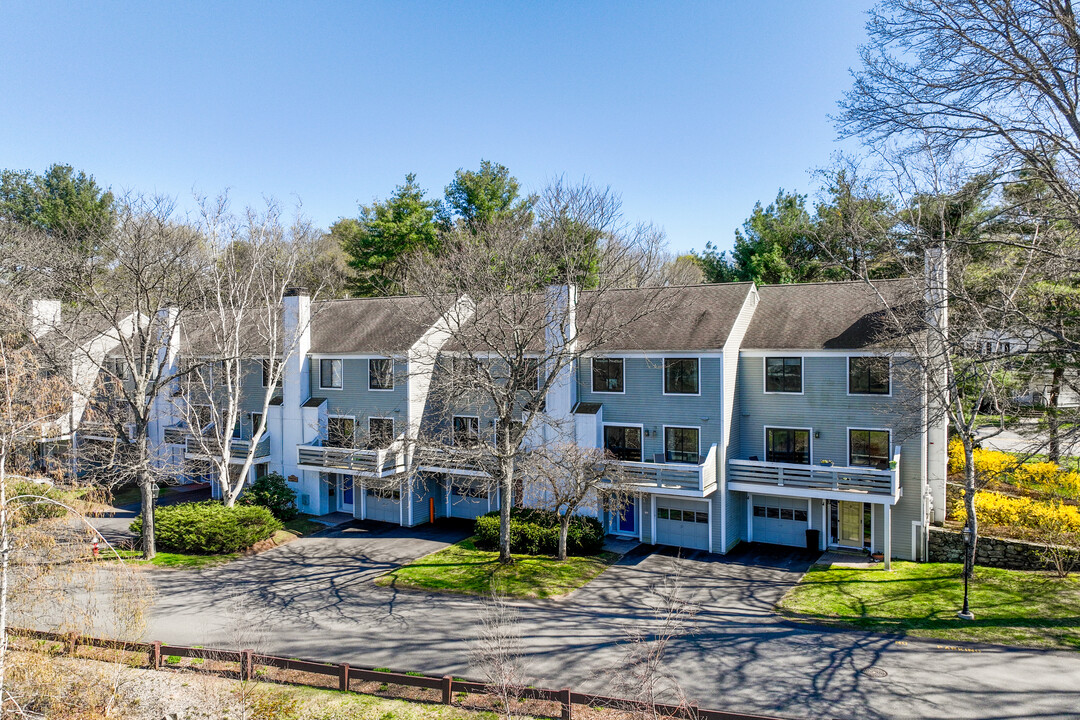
887, 533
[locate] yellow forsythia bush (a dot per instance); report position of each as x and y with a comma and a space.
989, 464
997, 509
1034, 474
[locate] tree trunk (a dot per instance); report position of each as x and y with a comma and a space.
146, 488
564, 530
5, 553
1052, 422
506, 483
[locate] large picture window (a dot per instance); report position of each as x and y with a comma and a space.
787, 445
681, 444
380, 374
868, 376
623, 441
607, 375
466, 431
681, 376
783, 374
869, 448
330, 374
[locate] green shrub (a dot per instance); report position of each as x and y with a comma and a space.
272, 492
536, 532
210, 528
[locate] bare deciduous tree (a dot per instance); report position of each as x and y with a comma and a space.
512, 360
498, 652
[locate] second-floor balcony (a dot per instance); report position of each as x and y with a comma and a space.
453, 461
832, 482
205, 444
670, 477
366, 462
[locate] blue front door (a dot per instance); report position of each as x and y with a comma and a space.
627, 523
346, 490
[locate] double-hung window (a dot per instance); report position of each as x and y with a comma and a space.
330, 374
623, 441
466, 431
340, 432
681, 376
607, 375
868, 376
268, 368
787, 445
381, 374
783, 374
380, 432
869, 448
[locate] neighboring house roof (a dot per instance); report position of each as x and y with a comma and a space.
370, 325
829, 315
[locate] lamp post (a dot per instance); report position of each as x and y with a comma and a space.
966, 613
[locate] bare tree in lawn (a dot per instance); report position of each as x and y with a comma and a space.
513, 359
994, 87
498, 651
566, 478
238, 334
129, 299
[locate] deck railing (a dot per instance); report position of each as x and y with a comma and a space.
210, 445
361, 461
861, 480
452, 460
680, 477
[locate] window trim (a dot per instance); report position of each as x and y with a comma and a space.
639, 426
322, 377
765, 375
765, 442
592, 375
869, 394
379, 417
453, 437
370, 375
664, 429
663, 376
868, 429
262, 366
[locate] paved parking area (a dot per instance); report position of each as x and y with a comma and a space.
315, 598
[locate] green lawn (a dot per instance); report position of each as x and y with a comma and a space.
174, 560
921, 599
461, 568
130, 495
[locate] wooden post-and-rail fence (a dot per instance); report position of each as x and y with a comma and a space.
249, 660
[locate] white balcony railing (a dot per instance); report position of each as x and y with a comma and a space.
357, 461
674, 478
198, 447
452, 460
854, 480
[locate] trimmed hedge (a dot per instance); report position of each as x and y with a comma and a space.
272, 492
536, 532
210, 528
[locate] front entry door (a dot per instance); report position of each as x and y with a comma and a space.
851, 524
627, 522
346, 485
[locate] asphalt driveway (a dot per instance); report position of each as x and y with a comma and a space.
315, 598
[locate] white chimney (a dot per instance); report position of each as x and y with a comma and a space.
296, 327
936, 261
561, 334
44, 315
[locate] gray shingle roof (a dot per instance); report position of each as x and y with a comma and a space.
826, 316
375, 325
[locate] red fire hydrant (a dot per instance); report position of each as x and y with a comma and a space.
95, 548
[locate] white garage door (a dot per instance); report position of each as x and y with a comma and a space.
384, 505
780, 521
468, 500
682, 523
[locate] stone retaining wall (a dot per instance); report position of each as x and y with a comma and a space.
948, 546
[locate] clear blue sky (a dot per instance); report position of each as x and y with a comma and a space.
692, 111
